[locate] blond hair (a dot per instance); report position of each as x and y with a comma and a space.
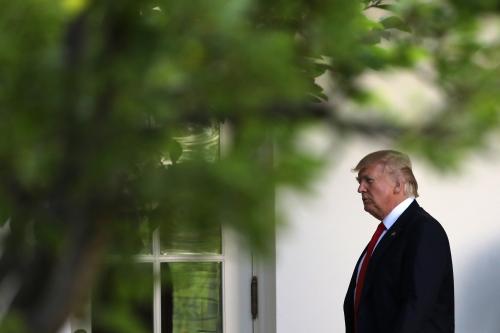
396, 163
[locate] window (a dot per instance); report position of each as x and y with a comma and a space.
192, 282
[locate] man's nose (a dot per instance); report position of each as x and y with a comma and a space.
361, 188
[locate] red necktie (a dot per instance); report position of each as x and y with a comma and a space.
364, 266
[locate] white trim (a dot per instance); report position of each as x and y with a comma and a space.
223, 281
265, 270
236, 285
179, 258
156, 283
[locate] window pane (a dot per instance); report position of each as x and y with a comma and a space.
191, 298
182, 240
138, 241
199, 142
145, 232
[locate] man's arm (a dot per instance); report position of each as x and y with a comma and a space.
430, 264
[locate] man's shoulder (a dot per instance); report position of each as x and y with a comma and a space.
425, 224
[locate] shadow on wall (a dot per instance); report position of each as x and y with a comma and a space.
479, 311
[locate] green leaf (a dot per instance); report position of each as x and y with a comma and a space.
373, 37
394, 22
174, 150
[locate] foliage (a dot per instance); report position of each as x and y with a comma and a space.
94, 94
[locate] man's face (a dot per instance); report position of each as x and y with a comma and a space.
379, 191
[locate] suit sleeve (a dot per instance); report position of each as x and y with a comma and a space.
429, 262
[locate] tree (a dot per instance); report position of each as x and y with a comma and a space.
93, 95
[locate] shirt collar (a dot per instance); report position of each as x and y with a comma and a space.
391, 218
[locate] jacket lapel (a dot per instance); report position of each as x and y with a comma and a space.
390, 236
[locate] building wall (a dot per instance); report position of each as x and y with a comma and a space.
328, 229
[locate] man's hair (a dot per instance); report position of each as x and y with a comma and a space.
395, 163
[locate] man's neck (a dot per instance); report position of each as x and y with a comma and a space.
396, 212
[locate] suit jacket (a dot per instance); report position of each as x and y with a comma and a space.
409, 280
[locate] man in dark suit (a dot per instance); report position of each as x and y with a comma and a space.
403, 281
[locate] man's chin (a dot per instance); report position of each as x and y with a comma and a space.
369, 209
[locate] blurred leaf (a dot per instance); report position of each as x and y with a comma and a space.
394, 22
174, 150
95, 97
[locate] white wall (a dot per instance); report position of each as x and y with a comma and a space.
328, 230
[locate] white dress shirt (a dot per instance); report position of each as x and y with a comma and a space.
389, 221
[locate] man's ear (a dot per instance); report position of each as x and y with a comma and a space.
398, 187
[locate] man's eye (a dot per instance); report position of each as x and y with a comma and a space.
370, 180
